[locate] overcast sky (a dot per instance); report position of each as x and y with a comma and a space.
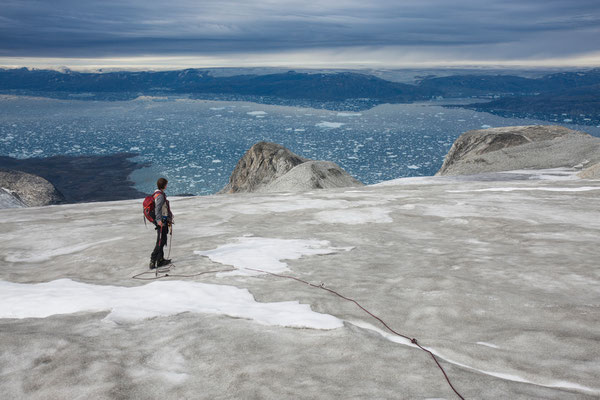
371, 33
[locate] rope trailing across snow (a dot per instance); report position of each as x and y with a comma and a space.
412, 340
165, 273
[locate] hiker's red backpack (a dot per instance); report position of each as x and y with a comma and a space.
149, 213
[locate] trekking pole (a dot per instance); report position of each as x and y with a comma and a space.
170, 242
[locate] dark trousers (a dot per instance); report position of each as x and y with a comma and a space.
161, 241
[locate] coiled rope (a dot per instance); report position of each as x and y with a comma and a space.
165, 273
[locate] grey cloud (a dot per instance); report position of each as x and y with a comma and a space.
75, 28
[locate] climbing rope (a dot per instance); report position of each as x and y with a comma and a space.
160, 273
165, 272
412, 340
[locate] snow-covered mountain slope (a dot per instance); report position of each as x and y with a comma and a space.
498, 278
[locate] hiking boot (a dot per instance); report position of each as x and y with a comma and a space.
163, 262
152, 264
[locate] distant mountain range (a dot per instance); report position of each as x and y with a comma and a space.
580, 104
557, 93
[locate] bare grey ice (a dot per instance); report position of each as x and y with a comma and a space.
498, 277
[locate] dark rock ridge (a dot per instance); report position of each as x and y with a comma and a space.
520, 147
28, 189
270, 167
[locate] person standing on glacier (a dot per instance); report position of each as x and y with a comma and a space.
164, 220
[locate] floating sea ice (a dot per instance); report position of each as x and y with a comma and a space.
325, 124
348, 114
485, 126
413, 167
256, 113
217, 108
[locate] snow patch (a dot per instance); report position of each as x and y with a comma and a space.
296, 203
30, 257
167, 363
510, 377
542, 189
266, 253
355, 216
157, 299
553, 174
493, 346
389, 336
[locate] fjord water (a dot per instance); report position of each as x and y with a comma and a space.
196, 143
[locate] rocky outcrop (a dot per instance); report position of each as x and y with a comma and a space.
519, 147
312, 175
262, 163
28, 189
270, 167
590, 172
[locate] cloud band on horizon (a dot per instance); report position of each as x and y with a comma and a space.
428, 31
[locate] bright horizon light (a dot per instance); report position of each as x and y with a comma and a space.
319, 59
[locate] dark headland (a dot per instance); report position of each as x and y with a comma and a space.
84, 178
